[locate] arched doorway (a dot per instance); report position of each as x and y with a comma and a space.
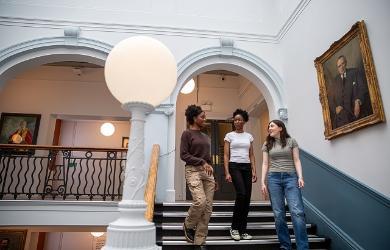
61, 78
28, 54
227, 58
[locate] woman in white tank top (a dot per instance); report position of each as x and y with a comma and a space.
239, 163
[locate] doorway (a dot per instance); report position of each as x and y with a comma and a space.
216, 130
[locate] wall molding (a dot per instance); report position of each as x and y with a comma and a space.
18, 57
332, 226
357, 184
57, 213
47, 42
252, 67
158, 30
292, 19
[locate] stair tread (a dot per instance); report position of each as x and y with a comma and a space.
254, 241
255, 237
227, 225
261, 225
216, 203
223, 214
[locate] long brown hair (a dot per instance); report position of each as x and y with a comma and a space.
270, 141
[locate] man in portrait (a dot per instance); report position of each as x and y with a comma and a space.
348, 95
22, 135
4, 244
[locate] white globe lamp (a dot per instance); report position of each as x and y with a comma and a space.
140, 72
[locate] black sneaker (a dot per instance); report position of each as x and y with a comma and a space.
189, 233
201, 247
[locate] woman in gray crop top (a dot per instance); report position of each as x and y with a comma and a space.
281, 178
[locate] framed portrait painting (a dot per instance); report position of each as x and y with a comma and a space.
125, 142
349, 91
18, 128
12, 239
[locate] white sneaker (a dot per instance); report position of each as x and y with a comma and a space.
235, 234
246, 236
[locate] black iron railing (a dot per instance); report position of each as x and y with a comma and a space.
68, 173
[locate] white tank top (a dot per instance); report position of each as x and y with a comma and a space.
239, 146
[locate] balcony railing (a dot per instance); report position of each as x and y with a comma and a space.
67, 173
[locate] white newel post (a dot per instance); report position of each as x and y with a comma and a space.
140, 72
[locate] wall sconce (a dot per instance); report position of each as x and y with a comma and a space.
107, 129
207, 106
283, 114
77, 71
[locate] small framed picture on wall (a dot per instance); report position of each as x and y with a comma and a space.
125, 142
12, 239
16, 128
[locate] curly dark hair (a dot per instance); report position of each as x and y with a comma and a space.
191, 112
270, 141
243, 113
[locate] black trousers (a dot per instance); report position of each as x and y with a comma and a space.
241, 174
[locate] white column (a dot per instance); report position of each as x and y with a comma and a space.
131, 230
170, 191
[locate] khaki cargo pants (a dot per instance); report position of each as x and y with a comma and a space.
202, 189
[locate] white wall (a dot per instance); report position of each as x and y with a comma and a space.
87, 134
363, 154
217, 15
69, 241
184, 26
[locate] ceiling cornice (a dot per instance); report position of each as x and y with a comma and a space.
291, 19
158, 30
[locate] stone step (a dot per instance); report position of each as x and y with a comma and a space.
224, 216
222, 229
224, 243
169, 218
217, 206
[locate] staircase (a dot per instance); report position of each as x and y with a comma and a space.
169, 218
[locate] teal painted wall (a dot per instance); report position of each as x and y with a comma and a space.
353, 215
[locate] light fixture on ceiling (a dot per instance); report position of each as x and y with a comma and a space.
97, 234
188, 87
77, 71
107, 129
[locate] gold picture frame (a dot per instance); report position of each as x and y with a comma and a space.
125, 142
12, 239
350, 100
25, 126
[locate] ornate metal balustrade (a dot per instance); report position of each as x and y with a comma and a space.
67, 173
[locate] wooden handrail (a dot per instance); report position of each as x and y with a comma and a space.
46, 147
150, 188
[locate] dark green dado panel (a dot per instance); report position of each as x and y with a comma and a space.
350, 213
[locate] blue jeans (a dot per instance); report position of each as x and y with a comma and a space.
283, 185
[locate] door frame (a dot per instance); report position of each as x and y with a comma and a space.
214, 153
